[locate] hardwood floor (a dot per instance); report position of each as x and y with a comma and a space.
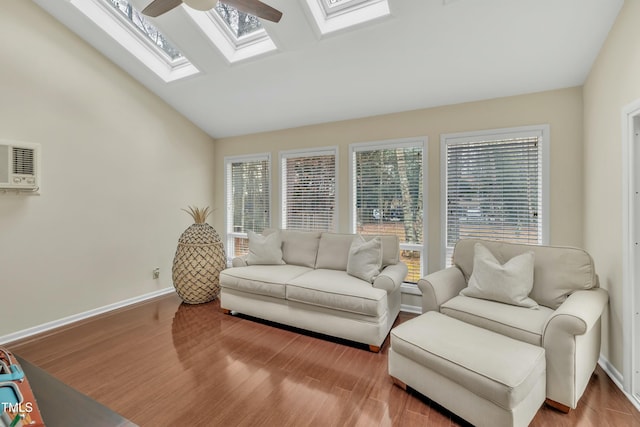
163, 363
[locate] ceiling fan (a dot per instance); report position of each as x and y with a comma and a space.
252, 7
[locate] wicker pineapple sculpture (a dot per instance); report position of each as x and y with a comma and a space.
199, 259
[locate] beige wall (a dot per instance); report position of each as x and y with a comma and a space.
118, 164
613, 83
561, 109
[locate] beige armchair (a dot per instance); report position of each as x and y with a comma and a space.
566, 323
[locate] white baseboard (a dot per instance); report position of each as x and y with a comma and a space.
617, 379
25, 333
411, 308
410, 288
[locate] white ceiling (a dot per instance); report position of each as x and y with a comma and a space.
427, 53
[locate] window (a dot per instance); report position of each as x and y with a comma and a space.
247, 199
387, 185
331, 6
495, 186
309, 189
147, 29
239, 23
237, 35
336, 15
134, 33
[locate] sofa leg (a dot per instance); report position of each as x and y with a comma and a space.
399, 383
559, 406
225, 311
374, 348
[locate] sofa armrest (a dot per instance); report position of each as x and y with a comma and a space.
239, 261
571, 339
439, 287
391, 277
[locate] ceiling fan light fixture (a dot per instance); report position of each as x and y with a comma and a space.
201, 4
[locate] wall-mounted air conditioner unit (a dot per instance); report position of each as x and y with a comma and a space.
19, 166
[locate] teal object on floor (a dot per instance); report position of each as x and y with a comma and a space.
9, 394
13, 373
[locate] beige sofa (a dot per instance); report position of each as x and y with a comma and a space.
313, 291
566, 323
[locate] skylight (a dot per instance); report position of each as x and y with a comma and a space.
237, 35
335, 15
134, 33
239, 23
331, 6
147, 29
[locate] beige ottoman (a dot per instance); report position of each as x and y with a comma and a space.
486, 378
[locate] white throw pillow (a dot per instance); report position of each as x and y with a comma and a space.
264, 250
509, 283
365, 258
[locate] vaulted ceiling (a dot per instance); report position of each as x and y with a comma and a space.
425, 53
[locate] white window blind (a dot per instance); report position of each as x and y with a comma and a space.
388, 197
248, 195
494, 188
309, 190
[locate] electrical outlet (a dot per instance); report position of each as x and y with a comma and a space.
156, 273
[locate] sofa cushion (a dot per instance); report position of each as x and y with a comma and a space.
557, 271
339, 291
509, 283
516, 322
390, 249
298, 247
266, 280
264, 250
333, 251
365, 258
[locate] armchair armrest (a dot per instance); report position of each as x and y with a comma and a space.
571, 339
391, 277
439, 287
239, 261
579, 312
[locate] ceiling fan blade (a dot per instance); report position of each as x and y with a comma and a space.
256, 8
158, 7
